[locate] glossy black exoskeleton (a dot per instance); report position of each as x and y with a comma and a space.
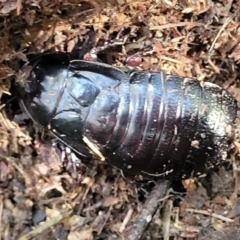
145, 123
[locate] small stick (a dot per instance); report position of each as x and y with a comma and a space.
214, 215
94, 148
126, 220
221, 30
137, 228
178, 24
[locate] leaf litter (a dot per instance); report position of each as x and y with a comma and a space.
46, 192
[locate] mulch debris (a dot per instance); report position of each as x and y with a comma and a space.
45, 191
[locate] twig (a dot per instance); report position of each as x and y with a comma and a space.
126, 220
19, 6
178, 24
150, 207
1, 210
172, 60
167, 209
214, 215
220, 31
94, 148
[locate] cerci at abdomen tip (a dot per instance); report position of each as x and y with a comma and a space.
145, 123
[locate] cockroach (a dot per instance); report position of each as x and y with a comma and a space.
145, 123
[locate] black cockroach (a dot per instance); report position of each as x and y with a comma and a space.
145, 123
